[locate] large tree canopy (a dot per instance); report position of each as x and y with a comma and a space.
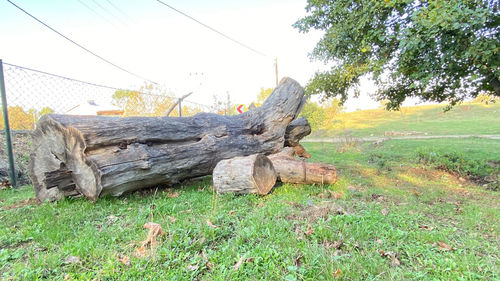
436, 50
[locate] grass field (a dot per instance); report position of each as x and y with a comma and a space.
469, 118
389, 217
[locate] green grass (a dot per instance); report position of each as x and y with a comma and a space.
389, 202
469, 118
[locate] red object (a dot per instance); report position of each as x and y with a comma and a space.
240, 109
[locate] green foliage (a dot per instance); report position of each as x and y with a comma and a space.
263, 95
121, 97
322, 116
435, 50
455, 162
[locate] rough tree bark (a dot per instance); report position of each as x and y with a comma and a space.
244, 175
96, 155
293, 170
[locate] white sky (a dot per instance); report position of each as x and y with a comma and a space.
162, 45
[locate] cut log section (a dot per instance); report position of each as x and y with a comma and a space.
98, 155
243, 175
292, 170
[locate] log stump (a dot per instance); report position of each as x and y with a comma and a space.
292, 170
244, 175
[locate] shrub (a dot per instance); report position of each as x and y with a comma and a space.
456, 162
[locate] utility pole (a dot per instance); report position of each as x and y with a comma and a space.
276, 69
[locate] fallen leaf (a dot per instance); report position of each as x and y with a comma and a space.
231, 212
298, 261
337, 244
330, 194
140, 251
238, 264
209, 265
445, 247
384, 212
192, 267
124, 259
71, 259
323, 195
172, 219
391, 256
210, 224
260, 205
336, 195
249, 260
5, 184
337, 273
426, 227
416, 193
173, 195
67, 277
309, 230
155, 230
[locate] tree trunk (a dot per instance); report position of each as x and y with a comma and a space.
243, 175
98, 155
292, 170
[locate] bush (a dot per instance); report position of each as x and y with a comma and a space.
456, 162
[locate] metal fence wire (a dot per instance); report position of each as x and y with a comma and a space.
31, 94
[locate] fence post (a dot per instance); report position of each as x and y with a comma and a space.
8, 140
180, 108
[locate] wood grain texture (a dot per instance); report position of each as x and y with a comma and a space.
244, 175
113, 155
293, 170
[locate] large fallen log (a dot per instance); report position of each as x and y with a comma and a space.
244, 175
97, 155
292, 170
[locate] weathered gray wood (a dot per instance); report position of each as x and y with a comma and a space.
297, 130
244, 175
292, 170
113, 155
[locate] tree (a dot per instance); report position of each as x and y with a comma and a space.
18, 119
262, 96
431, 49
322, 116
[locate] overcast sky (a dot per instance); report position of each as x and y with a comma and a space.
155, 42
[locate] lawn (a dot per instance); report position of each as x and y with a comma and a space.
468, 118
389, 217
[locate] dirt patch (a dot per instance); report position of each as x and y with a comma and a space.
314, 212
22, 203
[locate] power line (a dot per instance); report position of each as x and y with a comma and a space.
106, 10
213, 29
118, 9
94, 11
80, 46
86, 83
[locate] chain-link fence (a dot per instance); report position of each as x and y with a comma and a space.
31, 94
